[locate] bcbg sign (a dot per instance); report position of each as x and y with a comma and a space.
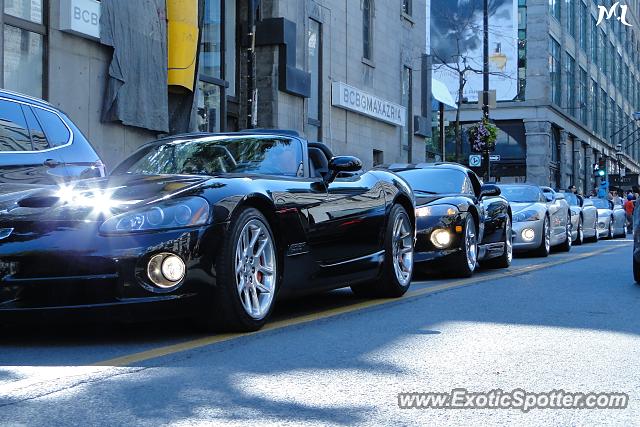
81, 17
356, 100
616, 11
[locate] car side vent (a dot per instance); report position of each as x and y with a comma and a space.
38, 202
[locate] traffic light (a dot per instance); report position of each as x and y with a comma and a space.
600, 168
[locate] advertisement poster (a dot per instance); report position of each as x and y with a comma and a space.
456, 42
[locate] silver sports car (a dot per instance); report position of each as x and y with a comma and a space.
539, 221
584, 218
611, 220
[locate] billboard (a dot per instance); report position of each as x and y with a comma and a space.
456, 41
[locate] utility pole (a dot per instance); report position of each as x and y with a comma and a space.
485, 89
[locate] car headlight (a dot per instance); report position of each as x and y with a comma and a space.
437, 210
187, 212
528, 215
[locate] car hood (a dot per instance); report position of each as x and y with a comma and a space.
519, 207
435, 199
93, 199
604, 212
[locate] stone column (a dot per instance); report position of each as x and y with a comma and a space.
589, 168
538, 138
565, 172
578, 173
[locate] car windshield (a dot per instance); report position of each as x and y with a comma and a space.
601, 203
216, 155
572, 199
434, 180
521, 193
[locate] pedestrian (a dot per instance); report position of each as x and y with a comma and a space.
617, 200
629, 206
573, 189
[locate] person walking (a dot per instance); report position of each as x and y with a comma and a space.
629, 206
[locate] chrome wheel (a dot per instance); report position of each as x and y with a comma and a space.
402, 249
471, 245
547, 235
569, 238
255, 269
509, 240
610, 230
580, 231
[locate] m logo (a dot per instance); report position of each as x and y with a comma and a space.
603, 13
5, 232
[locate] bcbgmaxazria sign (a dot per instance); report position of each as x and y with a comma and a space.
356, 100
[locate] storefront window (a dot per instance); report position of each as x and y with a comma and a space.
208, 112
230, 45
30, 10
23, 61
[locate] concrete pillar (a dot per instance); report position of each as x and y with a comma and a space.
578, 173
538, 138
565, 172
588, 167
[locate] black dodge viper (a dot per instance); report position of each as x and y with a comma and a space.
460, 222
210, 226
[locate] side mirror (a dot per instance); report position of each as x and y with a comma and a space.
489, 190
548, 197
340, 164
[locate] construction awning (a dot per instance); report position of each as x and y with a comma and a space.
441, 93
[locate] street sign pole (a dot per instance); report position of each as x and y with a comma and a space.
485, 86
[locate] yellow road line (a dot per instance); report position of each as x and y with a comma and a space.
336, 311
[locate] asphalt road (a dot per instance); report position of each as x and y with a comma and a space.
569, 322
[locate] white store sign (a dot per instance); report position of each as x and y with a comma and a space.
80, 17
356, 100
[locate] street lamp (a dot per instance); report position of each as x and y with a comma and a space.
620, 157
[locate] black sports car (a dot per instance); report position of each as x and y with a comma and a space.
459, 220
210, 226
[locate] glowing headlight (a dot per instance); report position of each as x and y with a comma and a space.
441, 238
187, 212
438, 210
528, 235
528, 215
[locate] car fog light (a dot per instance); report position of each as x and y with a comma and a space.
441, 238
528, 234
166, 270
602, 225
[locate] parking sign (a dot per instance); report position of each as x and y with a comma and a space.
475, 160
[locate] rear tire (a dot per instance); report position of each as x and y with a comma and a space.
566, 245
397, 269
636, 271
248, 276
610, 231
504, 260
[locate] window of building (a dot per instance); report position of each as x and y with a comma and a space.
314, 44
570, 75
570, 17
582, 94
407, 101
367, 30
594, 41
378, 158
595, 106
407, 7
230, 46
23, 47
604, 118
583, 24
554, 71
554, 8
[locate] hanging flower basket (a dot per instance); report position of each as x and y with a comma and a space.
482, 136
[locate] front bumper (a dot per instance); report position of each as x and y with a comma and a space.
76, 269
425, 250
520, 244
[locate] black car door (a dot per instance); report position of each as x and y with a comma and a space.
346, 231
25, 156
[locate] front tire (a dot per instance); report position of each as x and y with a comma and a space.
636, 271
580, 239
610, 232
247, 272
397, 268
504, 260
464, 262
545, 245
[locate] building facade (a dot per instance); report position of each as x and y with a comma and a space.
345, 73
579, 86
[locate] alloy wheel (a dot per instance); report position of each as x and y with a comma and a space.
402, 249
580, 231
471, 245
547, 235
255, 268
509, 240
569, 238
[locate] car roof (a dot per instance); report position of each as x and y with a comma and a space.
254, 132
400, 167
15, 96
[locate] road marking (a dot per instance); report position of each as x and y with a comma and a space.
155, 353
